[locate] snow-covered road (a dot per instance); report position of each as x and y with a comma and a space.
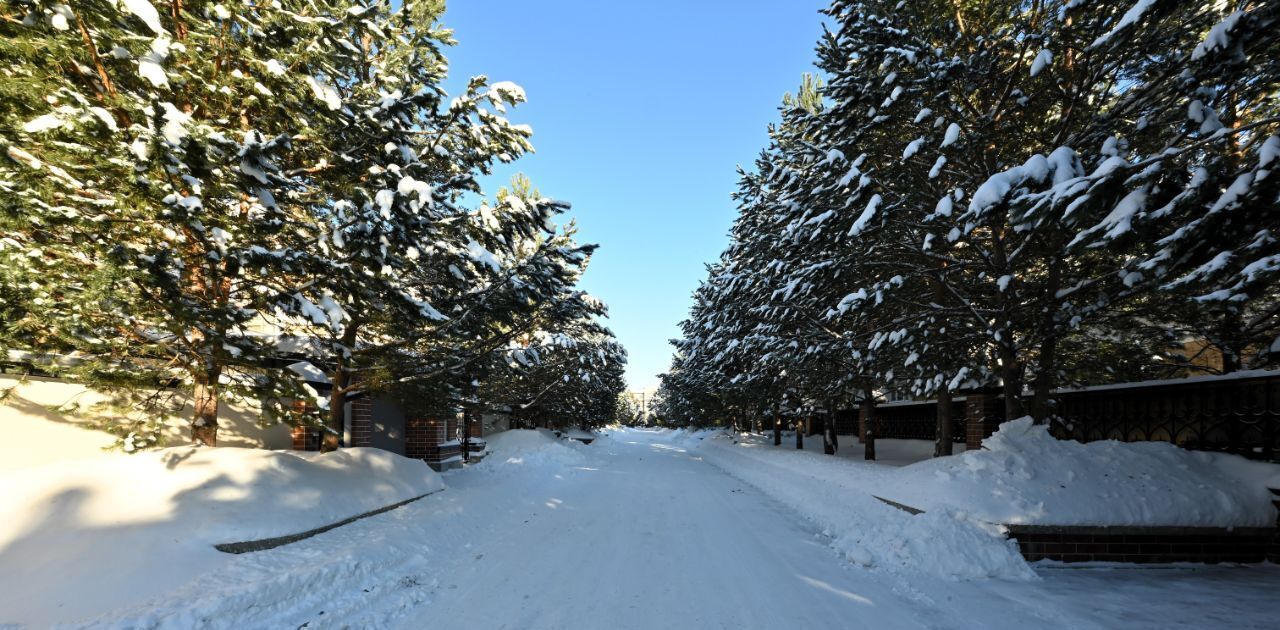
652, 537
637, 531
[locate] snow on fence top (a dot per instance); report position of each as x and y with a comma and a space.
1023, 475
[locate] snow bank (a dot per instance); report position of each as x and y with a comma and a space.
943, 543
83, 537
1023, 475
526, 448
579, 434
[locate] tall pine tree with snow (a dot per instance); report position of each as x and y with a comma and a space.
155, 194
208, 195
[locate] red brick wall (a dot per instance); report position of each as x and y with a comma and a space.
982, 412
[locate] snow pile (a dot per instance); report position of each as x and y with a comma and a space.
943, 543
1024, 475
686, 438
527, 448
579, 434
114, 529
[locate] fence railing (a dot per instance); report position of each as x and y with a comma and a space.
917, 420
1236, 413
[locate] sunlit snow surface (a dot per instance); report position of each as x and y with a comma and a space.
642, 529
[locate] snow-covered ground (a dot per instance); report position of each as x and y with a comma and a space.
80, 537
657, 529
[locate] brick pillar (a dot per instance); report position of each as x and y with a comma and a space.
983, 412
362, 422
422, 438
306, 439
417, 437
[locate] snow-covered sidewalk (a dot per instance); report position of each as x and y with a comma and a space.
641, 530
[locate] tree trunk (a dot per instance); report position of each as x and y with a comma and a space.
777, 427
868, 414
829, 442
336, 425
1041, 404
341, 382
1046, 375
1011, 374
204, 423
1229, 335
799, 434
1010, 366
942, 447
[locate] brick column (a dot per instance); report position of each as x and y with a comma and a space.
306, 439
983, 412
306, 436
421, 437
362, 422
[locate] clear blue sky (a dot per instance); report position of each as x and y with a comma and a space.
641, 111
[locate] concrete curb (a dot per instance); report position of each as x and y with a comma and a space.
264, 544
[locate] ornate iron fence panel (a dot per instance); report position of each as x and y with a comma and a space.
917, 421
1238, 415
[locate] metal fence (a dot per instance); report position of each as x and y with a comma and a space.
1238, 413
917, 421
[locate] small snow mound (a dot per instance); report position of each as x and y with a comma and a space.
580, 435
692, 437
525, 448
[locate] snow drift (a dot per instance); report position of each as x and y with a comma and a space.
1023, 475
526, 448
115, 529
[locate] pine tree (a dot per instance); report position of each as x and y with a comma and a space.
166, 228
